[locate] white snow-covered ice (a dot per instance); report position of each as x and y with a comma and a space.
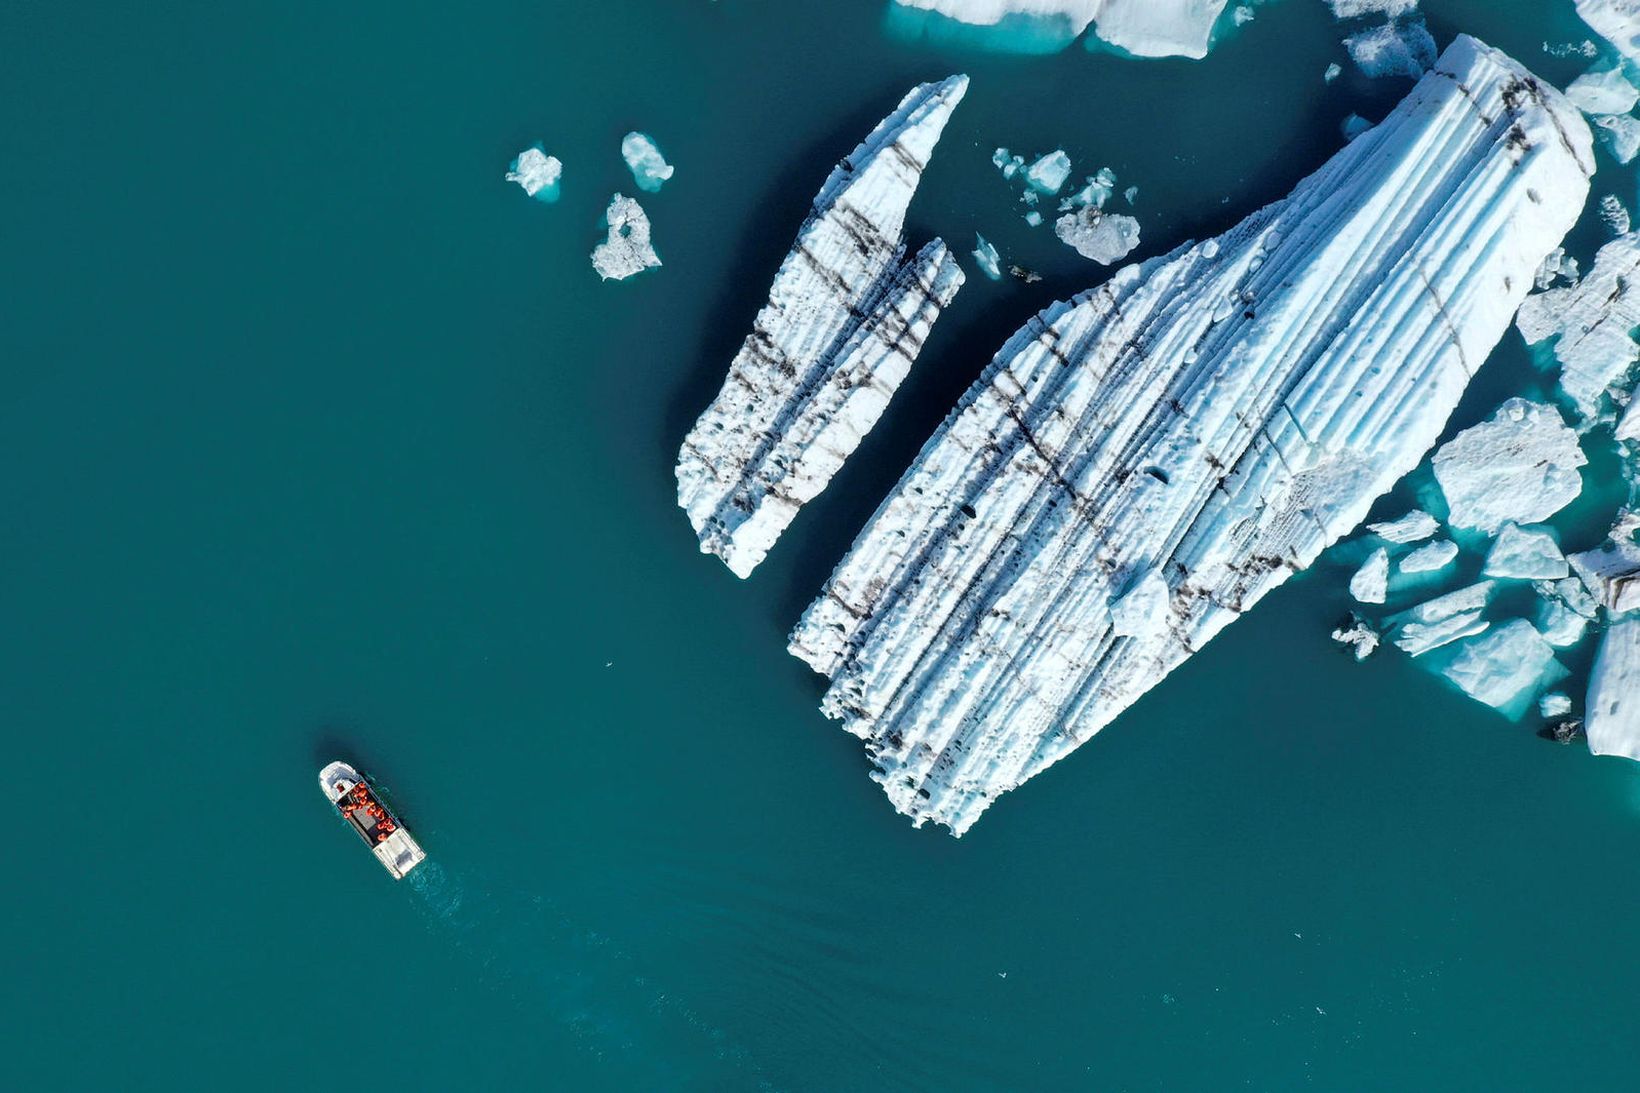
1592, 323
1444, 619
649, 167
1526, 553
1506, 668
1520, 465
1409, 528
846, 318
1218, 415
1049, 173
1107, 238
1603, 91
1370, 584
1143, 28
1430, 557
627, 250
1611, 715
537, 172
987, 258
1617, 21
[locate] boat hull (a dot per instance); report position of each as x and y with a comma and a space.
358, 803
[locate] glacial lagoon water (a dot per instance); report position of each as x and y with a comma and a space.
321, 440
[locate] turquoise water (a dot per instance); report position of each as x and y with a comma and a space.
323, 441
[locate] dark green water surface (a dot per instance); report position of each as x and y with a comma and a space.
321, 440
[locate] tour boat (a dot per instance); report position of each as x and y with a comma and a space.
366, 813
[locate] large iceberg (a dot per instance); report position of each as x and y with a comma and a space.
1520, 465
1506, 668
1143, 28
1216, 417
846, 317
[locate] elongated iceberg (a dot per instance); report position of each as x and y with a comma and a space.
846, 317
1211, 419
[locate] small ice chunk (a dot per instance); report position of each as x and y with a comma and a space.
649, 167
1526, 553
627, 250
1401, 48
1000, 158
1430, 557
1621, 135
989, 261
1107, 238
1519, 465
1371, 582
1614, 215
1444, 619
1603, 92
1131, 194
1049, 173
1359, 636
1506, 667
1243, 15
537, 173
1142, 608
1033, 218
1353, 126
1334, 70
1411, 528
1555, 704
1560, 625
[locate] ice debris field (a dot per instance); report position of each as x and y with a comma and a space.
1141, 463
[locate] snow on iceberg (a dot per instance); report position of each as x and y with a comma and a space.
1603, 91
1506, 668
1430, 557
1143, 28
537, 173
1612, 708
1592, 323
1218, 415
1520, 465
649, 167
1371, 582
846, 317
1617, 21
1107, 238
1358, 636
1526, 553
627, 250
1411, 528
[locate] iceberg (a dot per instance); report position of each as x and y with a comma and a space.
1505, 668
1592, 323
1444, 619
1358, 636
1621, 136
1429, 557
1520, 466
1333, 71
649, 167
1526, 553
1614, 215
846, 317
1411, 528
986, 256
1049, 173
1371, 582
537, 173
626, 251
1356, 9
1107, 238
1617, 21
1559, 624
1401, 48
1612, 707
1218, 415
1142, 28
1603, 91
1554, 704
1611, 573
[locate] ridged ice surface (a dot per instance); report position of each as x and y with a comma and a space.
1210, 420
846, 317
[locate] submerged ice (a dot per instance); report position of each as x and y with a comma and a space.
1143, 28
1206, 422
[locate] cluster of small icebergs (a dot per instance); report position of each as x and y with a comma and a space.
1607, 93
1388, 37
1523, 605
1085, 225
627, 249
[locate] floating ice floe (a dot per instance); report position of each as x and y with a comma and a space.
1614, 215
1621, 136
1592, 323
1526, 553
1411, 528
1603, 91
1033, 218
1334, 70
1505, 668
1520, 465
1049, 173
1430, 557
1107, 238
649, 167
1617, 21
1611, 572
1442, 620
537, 172
1371, 582
846, 317
1612, 708
627, 250
1400, 48
1143, 28
1557, 267
1358, 636
1554, 704
987, 258
1560, 626
1218, 415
